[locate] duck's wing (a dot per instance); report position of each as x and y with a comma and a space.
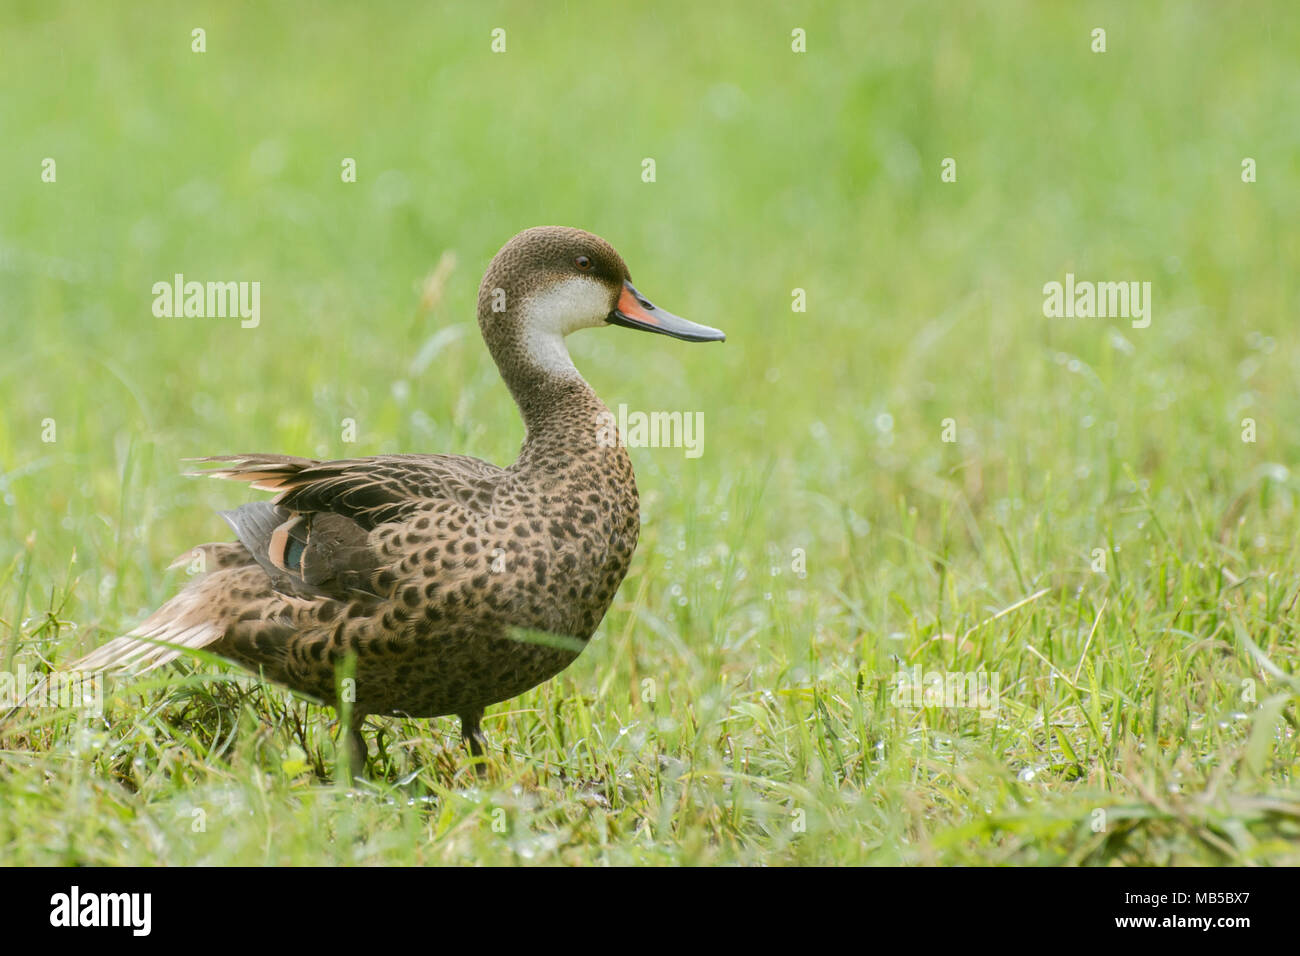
369, 491
313, 539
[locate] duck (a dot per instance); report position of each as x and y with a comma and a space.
424, 585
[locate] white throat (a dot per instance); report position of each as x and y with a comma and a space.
568, 305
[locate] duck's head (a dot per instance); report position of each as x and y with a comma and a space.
549, 281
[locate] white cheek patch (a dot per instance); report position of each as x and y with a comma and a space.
566, 306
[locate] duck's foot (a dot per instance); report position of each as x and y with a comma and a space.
472, 734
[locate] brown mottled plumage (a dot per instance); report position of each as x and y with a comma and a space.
456, 584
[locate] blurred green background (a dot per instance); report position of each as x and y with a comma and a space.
775, 171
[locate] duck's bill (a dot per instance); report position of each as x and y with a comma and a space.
635, 311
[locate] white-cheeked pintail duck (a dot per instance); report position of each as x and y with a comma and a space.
433, 575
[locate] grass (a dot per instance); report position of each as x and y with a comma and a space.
1099, 538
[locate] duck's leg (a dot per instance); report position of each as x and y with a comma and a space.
356, 744
472, 734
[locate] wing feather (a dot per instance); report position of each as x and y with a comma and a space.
370, 491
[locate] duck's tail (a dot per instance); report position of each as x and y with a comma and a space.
190, 620
183, 622
186, 621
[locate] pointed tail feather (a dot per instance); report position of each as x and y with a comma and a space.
186, 621
192, 619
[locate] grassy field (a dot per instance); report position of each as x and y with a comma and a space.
1099, 538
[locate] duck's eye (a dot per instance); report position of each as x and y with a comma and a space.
583, 263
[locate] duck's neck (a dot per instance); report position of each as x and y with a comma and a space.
565, 420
